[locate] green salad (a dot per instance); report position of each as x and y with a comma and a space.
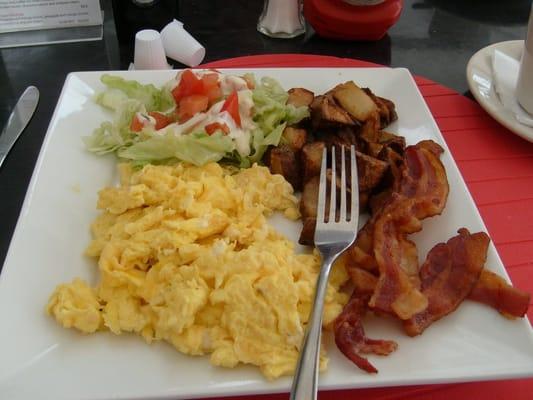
197, 117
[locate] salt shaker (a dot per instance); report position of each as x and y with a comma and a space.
281, 19
524, 87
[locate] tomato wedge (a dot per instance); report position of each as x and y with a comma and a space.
214, 94
216, 126
191, 105
189, 85
137, 124
231, 105
161, 120
210, 79
211, 87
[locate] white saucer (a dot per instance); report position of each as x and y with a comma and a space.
479, 76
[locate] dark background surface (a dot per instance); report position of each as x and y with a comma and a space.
433, 38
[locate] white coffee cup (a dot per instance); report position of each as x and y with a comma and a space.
524, 87
181, 46
149, 52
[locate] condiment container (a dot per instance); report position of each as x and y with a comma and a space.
180, 45
352, 19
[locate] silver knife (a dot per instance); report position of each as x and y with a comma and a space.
19, 118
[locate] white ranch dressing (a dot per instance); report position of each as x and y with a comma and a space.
147, 120
188, 126
228, 84
231, 83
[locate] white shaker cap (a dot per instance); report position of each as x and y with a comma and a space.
149, 51
180, 45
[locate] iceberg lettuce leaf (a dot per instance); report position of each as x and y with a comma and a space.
195, 148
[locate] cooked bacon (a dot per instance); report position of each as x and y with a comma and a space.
383, 262
423, 179
448, 275
350, 334
409, 260
490, 289
494, 291
361, 254
431, 146
396, 293
421, 193
363, 281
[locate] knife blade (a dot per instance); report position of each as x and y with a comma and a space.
19, 118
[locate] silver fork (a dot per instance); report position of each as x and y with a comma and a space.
331, 239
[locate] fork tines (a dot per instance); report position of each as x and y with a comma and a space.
346, 211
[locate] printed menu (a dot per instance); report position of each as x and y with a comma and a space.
21, 15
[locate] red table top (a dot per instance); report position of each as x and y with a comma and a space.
497, 167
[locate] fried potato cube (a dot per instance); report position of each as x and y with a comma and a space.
282, 160
311, 157
326, 113
309, 200
370, 171
307, 235
387, 109
374, 149
363, 201
395, 142
355, 101
295, 138
370, 129
344, 136
299, 97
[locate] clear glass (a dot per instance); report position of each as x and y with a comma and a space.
282, 19
524, 87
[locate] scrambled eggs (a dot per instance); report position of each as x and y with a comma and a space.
186, 255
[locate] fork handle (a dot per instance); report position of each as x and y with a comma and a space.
305, 382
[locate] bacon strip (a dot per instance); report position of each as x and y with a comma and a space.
422, 193
494, 291
490, 289
350, 335
395, 292
361, 253
364, 282
423, 178
448, 275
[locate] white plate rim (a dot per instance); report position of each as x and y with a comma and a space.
27, 201
492, 105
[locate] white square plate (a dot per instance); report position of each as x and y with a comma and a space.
39, 359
